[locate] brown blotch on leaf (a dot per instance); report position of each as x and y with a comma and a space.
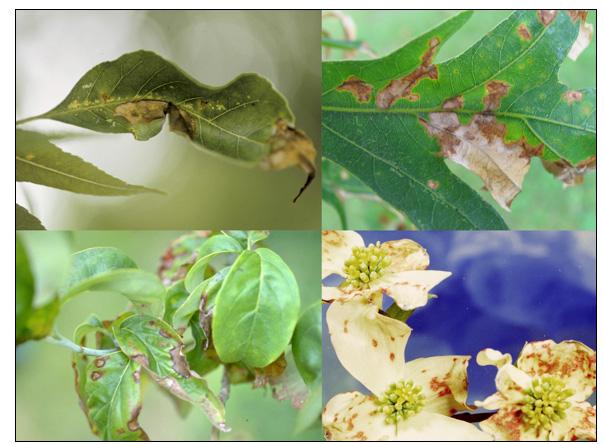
523, 32
480, 146
358, 88
496, 90
291, 147
392, 356
403, 88
181, 122
576, 14
164, 333
96, 375
433, 184
100, 362
141, 359
143, 111
546, 16
374, 342
570, 175
571, 97
453, 103
179, 363
136, 376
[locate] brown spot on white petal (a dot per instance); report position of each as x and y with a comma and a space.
440, 387
346, 326
392, 356
374, 342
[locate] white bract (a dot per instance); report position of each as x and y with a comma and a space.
410, 401
397, 268
544, 396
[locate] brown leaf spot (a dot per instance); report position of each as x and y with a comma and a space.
453, 103
164, 333
136, 376
291, 147
567, 173
100, 362
179, 363
141, 359
480, 147
496, 90
571, 97
96, 375
358, 88
433, 184
523, 32
576, 14
181, 122
374, 342
392, 356
546, 16
403, 88
143, 111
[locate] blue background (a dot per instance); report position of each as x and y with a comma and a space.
507, 288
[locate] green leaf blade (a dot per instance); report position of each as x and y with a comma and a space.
108, 269
307, 345
24, 220
256, 309
40, 161
391, 121
114, 398
156, 346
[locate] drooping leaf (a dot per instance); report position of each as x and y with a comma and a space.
391, 121
180, 256
202, 357
156, 346
113, 397
246, 119
306, 343
108, 269
40, 161
176, 294
79, 361
256, 309
334, 200
214, 247
24, 288
31, 323
206, 291
24, 220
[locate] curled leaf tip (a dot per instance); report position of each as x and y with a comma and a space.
291, 147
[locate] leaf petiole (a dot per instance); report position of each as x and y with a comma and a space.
58, 339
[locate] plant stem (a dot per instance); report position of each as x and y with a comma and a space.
58, 339
223, 395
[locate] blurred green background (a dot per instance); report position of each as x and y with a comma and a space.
204, 191
46, 402
543, 204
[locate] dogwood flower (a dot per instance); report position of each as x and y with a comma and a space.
543, 397
410, 401
397, 268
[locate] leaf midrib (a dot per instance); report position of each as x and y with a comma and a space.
422, 185
52, 114
129, 188
417, 111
